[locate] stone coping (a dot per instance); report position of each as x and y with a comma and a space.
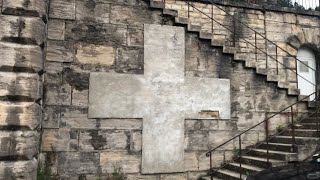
262, 7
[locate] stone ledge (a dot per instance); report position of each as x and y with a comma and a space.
22, 144
35, 8
28, 57
24, 85
26, 114
24, 30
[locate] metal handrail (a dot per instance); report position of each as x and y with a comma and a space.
301, 100
296, 73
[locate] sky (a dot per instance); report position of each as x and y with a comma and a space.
307, 3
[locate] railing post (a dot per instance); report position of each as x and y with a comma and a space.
267, 139
277, 60
255, 47
212, 19
240, 156
292, 130
188, 9
211, 175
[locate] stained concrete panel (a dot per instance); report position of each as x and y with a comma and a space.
163, 97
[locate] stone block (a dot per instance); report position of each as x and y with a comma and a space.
59, 140
62, 9
136, 141
129, 58
74, 117
24, 114
196, 140
121, 124
56, 29
23, 144
21, 7
92, 11
71, 163
24, 29
20, 56
107, 34
19, 169
80, 98
133, 15
95, 54
135, 36
53, 73
130, 163
217, 138
173, 177
59, 51
142, 177
57, 94
51, 117
103, 140
190, 161
20, 84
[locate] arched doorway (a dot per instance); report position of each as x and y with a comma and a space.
306, 56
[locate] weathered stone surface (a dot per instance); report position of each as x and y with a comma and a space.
58, 95
19, 143
174, 177
76, 118
142, 177
56, 29
59, 51
107, 34
92, 11
80, 98
103, 140
95, 54
121, 124
72, 163
59, 140
62, 9
197, 140
139, 91
25, 29
136, 141
51, 118
20, 56
20, 114
137, 15
19, 170
20, 84
129, 163
18, 7
190, 161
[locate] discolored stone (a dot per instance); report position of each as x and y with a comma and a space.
130, 163
62, 9
95, 54
19, 169
22, 7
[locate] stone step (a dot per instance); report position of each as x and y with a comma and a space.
279, 155
194, 27
228, 175
293, 91
157, 4
170, 12
260, 161
205, 35
298, 140
209, 178
304, 125
276, 147
245, 168
312, 119
229, 50
181, 20
302, 133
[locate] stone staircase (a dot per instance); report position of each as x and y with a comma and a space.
278, 72
280, 148
281, 151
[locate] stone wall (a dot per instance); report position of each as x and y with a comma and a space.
107, 36
22, 39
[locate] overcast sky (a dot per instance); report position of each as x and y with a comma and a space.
307, 3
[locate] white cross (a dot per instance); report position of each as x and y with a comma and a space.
163, 97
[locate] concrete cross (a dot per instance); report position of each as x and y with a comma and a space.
163, 97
